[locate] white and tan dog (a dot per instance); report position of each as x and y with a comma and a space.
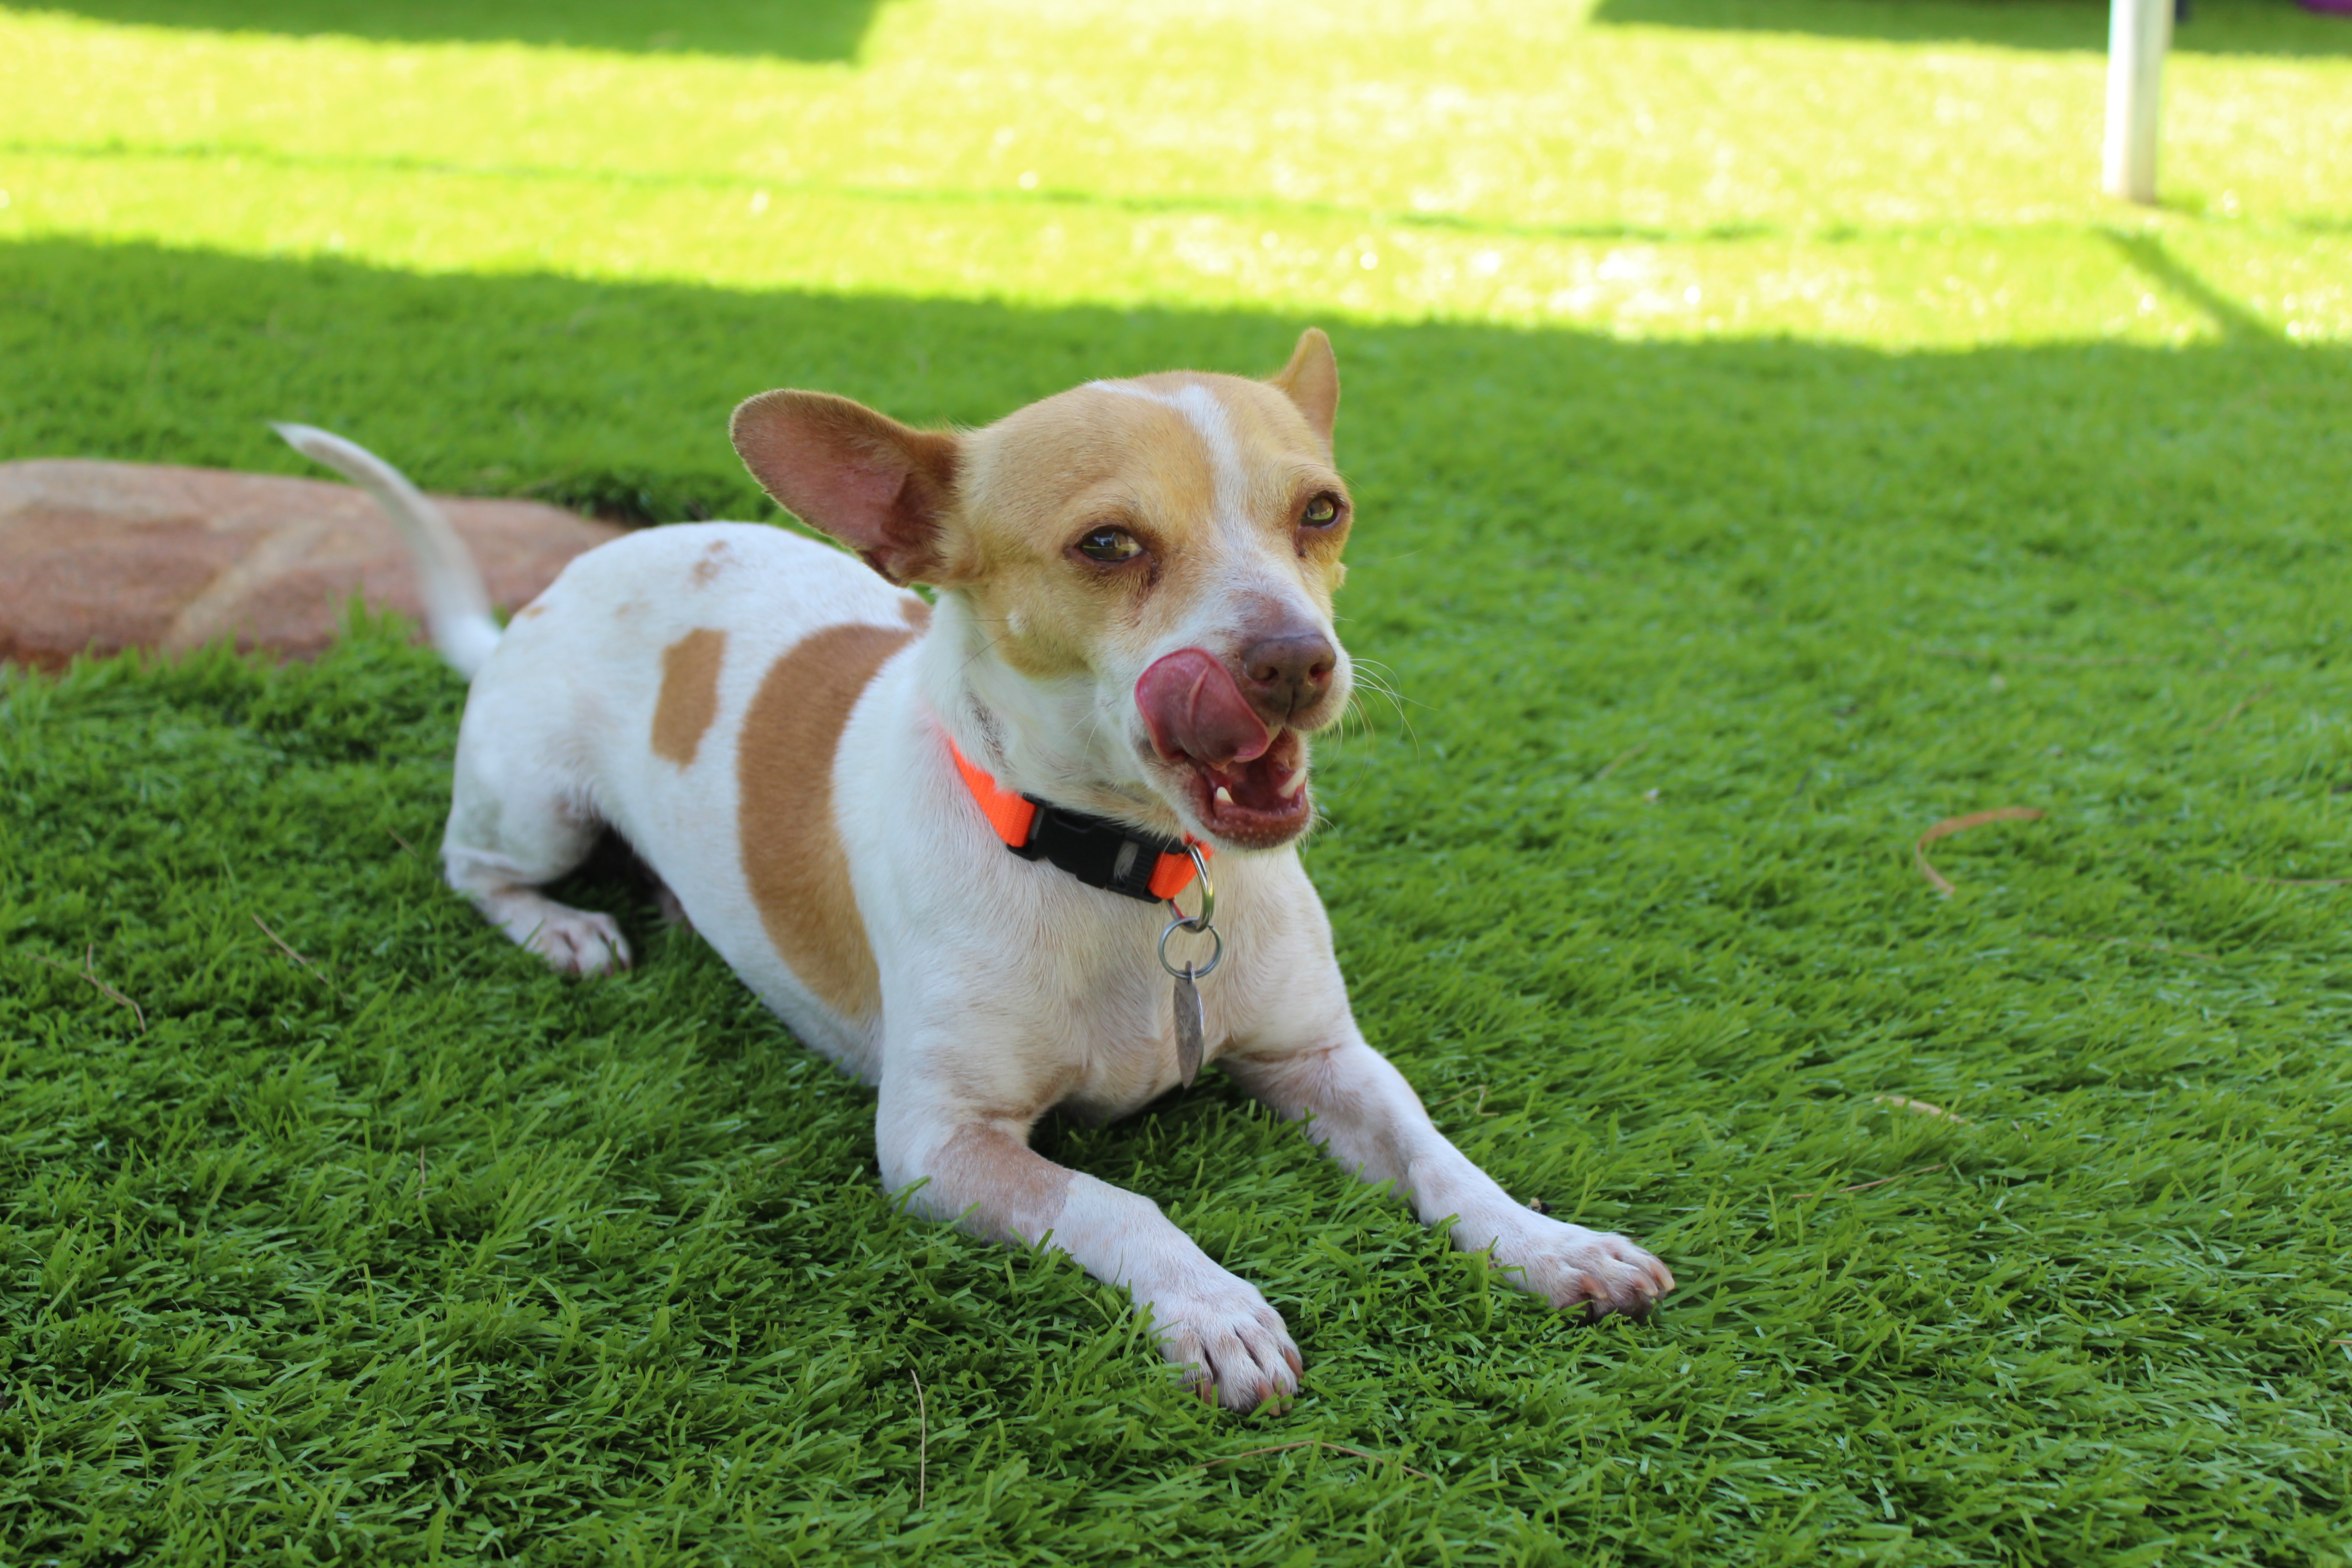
1133, 626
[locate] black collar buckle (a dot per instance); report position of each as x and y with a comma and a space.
1095, 850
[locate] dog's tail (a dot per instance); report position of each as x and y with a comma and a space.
456, 604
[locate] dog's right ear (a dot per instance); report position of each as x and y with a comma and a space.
878, 486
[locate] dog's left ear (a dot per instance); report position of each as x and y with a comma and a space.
877, 486
1311, 380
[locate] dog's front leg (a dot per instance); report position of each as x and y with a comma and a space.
1370, 1120
977, 1170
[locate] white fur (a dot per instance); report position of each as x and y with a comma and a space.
1008, 987
457, 605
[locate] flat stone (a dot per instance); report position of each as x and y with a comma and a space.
98, 557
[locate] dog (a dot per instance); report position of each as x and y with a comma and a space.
951, 843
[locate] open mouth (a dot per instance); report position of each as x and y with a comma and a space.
1248, 781
1257, 802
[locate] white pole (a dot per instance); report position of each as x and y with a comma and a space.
2138, 32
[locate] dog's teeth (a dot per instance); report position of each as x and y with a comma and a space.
1297, 782
1224, 796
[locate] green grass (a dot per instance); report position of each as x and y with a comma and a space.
1952, 489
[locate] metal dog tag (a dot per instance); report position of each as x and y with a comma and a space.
1190, 1028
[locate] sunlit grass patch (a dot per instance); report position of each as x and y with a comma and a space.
1493, 163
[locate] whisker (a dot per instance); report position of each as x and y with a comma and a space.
977, 651
1369, 678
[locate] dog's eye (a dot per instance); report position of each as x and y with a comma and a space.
1109, 545
1322, 511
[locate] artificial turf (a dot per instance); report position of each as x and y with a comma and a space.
1947, 489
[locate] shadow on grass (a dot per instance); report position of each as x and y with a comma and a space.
2153, 261
2215, 27
792, 29
616, 396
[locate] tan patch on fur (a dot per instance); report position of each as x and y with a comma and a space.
716, 558
529, 610
1021, 1192
916, 613
793, 854
689, 694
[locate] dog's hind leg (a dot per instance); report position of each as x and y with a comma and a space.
517, 821
499, 858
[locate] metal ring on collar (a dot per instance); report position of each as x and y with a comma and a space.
1207, 893
1216, 954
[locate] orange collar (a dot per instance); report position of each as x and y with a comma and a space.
1097, 851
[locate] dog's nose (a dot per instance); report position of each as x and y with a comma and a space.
1289, 672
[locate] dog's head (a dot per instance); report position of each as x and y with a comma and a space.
1144, 570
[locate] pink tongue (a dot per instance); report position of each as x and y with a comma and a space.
1193, 707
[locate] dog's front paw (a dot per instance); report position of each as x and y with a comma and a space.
1234, 1345
574, 941
1575, 1268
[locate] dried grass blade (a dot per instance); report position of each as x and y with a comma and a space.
1865, 1186
1620, 760
1952, 824
2248, 700
296, 957
922, 1443
1924, 1107
89, 971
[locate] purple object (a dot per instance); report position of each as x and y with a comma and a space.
2331, 7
